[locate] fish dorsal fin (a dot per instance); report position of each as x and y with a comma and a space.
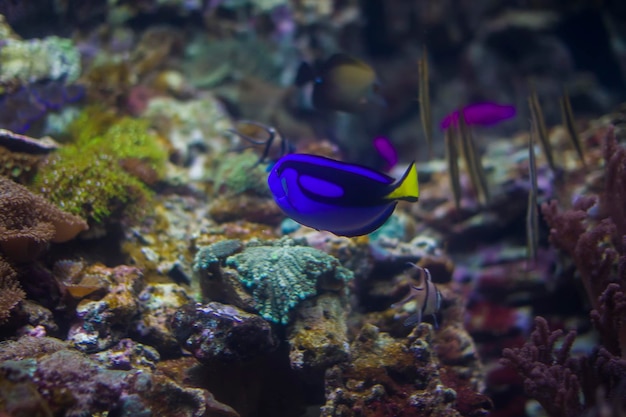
407, 188
340, 60
305, 74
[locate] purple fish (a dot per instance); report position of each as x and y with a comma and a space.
484, 114
387, 151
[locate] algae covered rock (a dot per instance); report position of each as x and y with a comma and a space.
399, 377
28, 61
318, 338
107, 169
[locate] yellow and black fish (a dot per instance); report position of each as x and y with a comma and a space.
342, 83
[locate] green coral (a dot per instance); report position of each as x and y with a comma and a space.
214, 253
282, 273
86, 177
240, 173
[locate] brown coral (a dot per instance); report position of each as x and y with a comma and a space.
20, 166
28, 222
10, 292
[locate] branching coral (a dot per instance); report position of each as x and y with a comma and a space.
564, 385
10, 292
28, 222
598, 248
548, 376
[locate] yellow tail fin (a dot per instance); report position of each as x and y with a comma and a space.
407, 188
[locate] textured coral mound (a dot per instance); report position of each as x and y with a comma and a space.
28, 222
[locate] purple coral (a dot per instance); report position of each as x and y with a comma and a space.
597, 246
547, 372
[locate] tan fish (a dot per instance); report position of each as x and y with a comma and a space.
473, 162
532, 211
427, 297
536, 115
452, 158
424, 100
342, 83
567, 115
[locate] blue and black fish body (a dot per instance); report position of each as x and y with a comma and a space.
341, 83
345, 199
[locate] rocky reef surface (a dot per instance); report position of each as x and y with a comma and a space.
146, 270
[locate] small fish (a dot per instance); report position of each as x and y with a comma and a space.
424, 100
274, 145
343, 83
567, 115
538, 121
532, 211
484, 114
342, 198
452, 158
428, 297
387, 151
473, 162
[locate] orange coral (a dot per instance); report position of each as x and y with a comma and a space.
10, 292
28, 222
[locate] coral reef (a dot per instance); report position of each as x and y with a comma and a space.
280, 274
596, 241
392, 377
191, 294
43, 376
28, 222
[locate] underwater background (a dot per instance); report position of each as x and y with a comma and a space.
166, 222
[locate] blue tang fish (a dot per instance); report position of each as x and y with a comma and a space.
343, 198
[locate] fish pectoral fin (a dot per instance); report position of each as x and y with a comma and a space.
407, 188
414, 318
